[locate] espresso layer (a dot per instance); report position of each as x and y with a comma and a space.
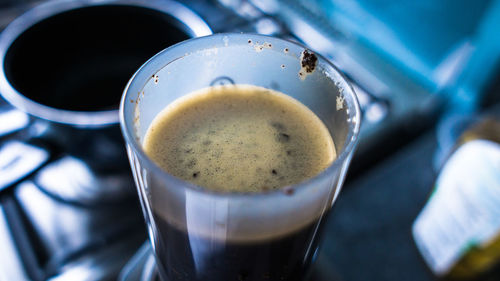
239, 138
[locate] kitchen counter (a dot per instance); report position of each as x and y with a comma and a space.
368, 235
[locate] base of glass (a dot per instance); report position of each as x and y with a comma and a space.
142, 267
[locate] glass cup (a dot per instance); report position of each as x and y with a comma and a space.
199, 234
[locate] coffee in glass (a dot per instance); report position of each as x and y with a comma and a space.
238, 151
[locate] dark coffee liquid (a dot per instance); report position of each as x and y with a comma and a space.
238, 138
189, 257
82, 59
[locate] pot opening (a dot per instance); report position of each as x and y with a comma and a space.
81, 59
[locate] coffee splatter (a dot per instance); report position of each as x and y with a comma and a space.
260, 47
308, 63
288, 190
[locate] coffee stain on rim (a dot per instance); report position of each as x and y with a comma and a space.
288, 190
308, 63
340, 102
260, 47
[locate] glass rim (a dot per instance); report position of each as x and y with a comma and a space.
98, 118
168, 56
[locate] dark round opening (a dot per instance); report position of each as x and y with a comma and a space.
82, 59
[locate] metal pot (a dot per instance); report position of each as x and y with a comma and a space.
66, 63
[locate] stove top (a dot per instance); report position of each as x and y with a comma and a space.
61, 219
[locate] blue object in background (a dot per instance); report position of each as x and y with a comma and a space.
452, 47
482, 64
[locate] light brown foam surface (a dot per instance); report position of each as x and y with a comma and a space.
239, 138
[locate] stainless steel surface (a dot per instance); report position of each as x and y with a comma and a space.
68, 232
18, 159
13, 120
71, 180
11, 265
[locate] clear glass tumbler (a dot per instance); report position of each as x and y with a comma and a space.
198, 234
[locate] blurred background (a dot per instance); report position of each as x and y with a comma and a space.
426, 73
